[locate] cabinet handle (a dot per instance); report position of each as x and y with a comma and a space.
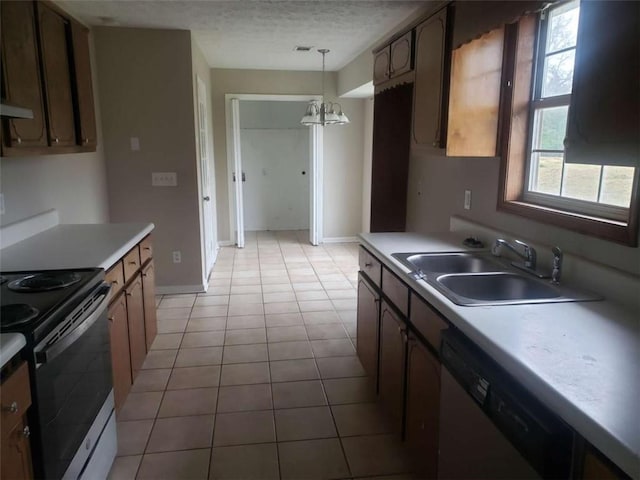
86, 140
57, 140
435, 144
110, 319
146, 248
26, 432
115, 282
133, 263
13, 408
566, 143
127, 294
368, 264
19, 140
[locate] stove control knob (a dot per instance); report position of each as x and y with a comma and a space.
13, 408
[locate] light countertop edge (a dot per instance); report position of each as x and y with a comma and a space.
558, 351
74, 246
10, 345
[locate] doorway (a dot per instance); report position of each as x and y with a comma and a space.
275, 166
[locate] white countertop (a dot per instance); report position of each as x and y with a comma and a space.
10, 344
74, 246
580, 359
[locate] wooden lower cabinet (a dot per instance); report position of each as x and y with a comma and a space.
393, 341
422, 407
367, 328
16, 453
149, 301
15, 398
120, 354
135, 320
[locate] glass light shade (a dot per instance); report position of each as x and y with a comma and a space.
312, 115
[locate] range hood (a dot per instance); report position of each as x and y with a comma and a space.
13, 111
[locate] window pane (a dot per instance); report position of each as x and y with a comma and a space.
558, 74
563, 27
617, 183
581, 181
546, 173
550, 129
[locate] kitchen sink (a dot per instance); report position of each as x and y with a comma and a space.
457, 262
477, 278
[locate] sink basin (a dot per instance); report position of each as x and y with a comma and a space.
498, 287
458, 262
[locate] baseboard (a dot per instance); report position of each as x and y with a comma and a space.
178, 289
226, 243
340, 240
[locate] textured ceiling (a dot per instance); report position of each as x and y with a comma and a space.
260, 34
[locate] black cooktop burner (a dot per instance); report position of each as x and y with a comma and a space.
17, 314
43, 282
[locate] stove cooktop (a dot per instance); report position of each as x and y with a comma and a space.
32, 303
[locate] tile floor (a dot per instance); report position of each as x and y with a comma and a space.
258, 378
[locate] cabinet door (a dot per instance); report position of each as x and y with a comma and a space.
393, 338
381, 66
604, 116
54, 46
135, 317
149, 301
84, 88
367, 328
21, 75
16, 453
401, 54
423, 403
429, 109
120, 354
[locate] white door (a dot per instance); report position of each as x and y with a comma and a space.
206, 185
237, 173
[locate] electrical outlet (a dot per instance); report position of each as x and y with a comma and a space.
164, 179
177, 256
467, 199
1, 203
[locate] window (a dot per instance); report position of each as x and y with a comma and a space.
537, 179
602, 190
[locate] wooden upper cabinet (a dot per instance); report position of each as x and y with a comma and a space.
432, 66
21, 75
54, 45
401, 55
84, 89
604, 116
474, 99
381, 66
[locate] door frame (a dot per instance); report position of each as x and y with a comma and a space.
236, 220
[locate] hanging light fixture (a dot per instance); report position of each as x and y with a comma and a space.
324, 113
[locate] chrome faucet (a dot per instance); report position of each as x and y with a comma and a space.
529, 256
556, 269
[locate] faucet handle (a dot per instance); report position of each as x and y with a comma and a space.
556, 268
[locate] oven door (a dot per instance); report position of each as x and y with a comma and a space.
73, 381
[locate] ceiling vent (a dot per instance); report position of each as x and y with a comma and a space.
300, 48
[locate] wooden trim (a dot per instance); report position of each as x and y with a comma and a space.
520, 47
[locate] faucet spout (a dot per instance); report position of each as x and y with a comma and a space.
529, 256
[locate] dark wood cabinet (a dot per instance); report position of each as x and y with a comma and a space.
120, 354
432, 66
54, 48
381, 66
16, 453
135, 321
423, 403
391, 377
604, 115
86, 128
21, 76
393, 60
149, 302
368, 317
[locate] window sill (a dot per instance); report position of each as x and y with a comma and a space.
616, 231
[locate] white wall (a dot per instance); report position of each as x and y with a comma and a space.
343, 145
74, 184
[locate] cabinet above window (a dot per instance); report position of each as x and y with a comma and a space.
393, 60
46, 68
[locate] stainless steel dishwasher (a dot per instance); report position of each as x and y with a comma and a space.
490, 427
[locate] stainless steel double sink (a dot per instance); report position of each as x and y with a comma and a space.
479, 278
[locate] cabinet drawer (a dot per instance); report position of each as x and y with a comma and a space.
370, 266
146, 249
427, 321
115, 277
15, 397
396, 291
131, 263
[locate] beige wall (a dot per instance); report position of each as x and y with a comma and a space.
146, 91
442, 182
367, 164
343, 145
356, 73
73, 184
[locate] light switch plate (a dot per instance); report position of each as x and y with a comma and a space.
467, 199
164, 179
1, 203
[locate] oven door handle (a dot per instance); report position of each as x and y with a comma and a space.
55, 349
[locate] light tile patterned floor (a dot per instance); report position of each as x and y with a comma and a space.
258, 378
